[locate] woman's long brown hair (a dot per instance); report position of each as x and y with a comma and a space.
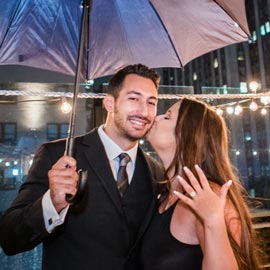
202, 138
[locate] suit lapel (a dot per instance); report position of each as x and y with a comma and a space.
99, 163
96, 156
151, 209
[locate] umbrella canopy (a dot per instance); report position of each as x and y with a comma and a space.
158, 33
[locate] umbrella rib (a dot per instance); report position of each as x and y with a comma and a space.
176, 53
10, 23
86, 41
231, 15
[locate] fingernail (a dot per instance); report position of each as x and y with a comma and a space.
196, 166
176, 192
229, 182
185, 168
179, 178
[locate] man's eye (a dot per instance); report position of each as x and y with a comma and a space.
132, 98
152, 103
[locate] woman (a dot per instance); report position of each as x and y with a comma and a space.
202, 221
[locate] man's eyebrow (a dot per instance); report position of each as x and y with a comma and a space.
139, 94
134, 92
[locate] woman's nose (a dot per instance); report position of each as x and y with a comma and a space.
158, 117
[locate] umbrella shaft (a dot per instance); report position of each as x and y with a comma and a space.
83, 29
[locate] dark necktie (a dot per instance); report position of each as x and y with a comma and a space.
122, 177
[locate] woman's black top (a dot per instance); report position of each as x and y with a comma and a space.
161, 251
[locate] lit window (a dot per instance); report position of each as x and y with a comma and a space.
89, 83
267, 27
8, 133
15, 172
254, 36
52, 131
243, 87
194, 76
262, 30
215, 63
240, 58
56, 131
225, 89
63, 130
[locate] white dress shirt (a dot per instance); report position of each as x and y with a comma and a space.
113, 151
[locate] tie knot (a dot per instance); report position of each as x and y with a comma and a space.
124, 159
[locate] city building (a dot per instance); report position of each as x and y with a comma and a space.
240, 69
31, 118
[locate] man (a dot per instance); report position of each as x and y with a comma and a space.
103, 229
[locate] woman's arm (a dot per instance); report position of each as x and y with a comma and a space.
218, 253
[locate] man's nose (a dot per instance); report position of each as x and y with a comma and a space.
144, 110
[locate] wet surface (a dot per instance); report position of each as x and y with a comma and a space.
30, 260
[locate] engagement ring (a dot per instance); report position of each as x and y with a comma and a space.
192, 194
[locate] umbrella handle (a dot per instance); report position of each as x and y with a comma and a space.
81, 186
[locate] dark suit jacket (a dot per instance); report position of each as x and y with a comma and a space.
95, 232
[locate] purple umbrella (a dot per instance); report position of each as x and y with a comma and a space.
102, 36
158, 33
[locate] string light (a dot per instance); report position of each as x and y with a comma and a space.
244, 98
263, 111
66, 106
229, 110
238, 109
238, 106
253, 106
253, 86
219, 111
265, 100
102, 95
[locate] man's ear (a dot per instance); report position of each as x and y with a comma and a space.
108, 103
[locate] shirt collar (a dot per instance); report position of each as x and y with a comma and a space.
112, 149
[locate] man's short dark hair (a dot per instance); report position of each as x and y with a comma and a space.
117, 80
